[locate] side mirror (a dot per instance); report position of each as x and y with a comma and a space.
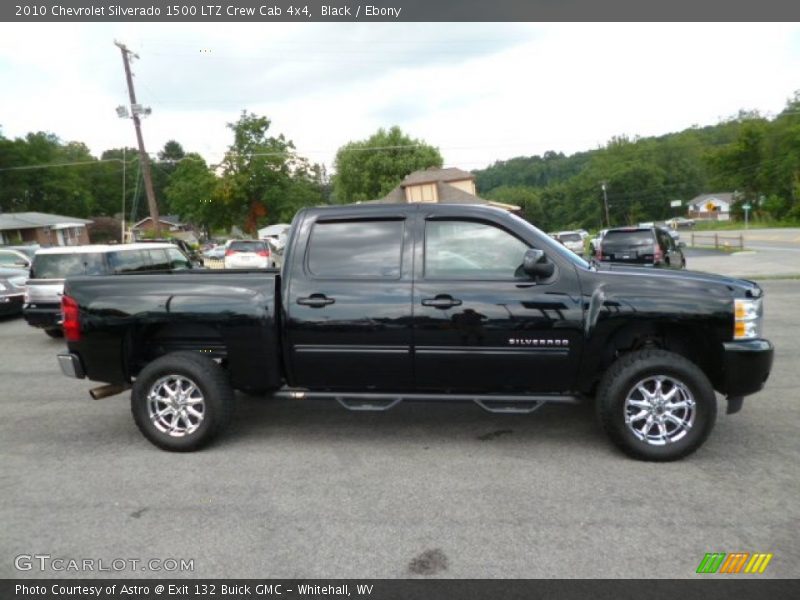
535, 264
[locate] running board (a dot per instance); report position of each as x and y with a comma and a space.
375, 401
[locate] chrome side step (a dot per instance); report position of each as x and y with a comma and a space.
377, 401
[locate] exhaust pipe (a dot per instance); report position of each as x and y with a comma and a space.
104, 391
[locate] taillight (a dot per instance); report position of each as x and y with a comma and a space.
263, 253
658, 255
230, 252
599, 253
72, 322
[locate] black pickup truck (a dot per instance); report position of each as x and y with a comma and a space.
381, 303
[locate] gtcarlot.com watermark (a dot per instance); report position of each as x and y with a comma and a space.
59, 564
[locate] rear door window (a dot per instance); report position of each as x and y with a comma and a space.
177, 260
158, 260
627, 239
60, 266
247, 246
128, 261
356, 249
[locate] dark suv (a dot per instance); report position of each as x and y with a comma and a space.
646, 246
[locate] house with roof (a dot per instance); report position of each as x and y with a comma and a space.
43, 229
443, 186
171, 226
716, 207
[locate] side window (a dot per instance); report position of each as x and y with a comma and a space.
356, 249
129, 261
158, 260
177, 260
471, 250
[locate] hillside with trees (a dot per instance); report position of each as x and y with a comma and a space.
757, 157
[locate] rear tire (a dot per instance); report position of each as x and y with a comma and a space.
656, 405
182, 401
55, 333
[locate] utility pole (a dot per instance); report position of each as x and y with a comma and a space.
605, 203
143, 158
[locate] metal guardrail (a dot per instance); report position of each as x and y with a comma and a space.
717, 240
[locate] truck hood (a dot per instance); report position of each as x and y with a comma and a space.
666, 277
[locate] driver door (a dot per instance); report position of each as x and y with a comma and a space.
480, 323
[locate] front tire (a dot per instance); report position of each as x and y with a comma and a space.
181, 401
656, 405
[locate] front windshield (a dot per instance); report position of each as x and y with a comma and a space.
551, 246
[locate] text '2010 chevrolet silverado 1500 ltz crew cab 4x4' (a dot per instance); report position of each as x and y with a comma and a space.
377, 304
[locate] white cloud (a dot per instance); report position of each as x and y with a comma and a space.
480, 92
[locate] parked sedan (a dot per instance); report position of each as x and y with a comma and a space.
215, 253
246, 254
641, 246
12, 291
680, 222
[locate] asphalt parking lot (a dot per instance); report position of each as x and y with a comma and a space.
301, 489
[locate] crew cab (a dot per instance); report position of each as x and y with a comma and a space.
376, 304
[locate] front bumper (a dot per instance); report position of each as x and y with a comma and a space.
46, 316
71, 365
746, 366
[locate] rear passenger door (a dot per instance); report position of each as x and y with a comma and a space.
348, 303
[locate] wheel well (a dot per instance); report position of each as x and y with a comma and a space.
690, 342
151, 342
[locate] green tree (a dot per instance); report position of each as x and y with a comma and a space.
193, 192
369, 169
264, 178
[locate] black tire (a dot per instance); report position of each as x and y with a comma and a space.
55, 333
215, 391
620, 382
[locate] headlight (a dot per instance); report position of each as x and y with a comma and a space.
18, 282
2, 287
747, 319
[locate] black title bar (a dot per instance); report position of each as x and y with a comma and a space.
398, 10
705, 588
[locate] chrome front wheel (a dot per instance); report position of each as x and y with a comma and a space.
659, 410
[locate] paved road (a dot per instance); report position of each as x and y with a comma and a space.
769, 253
305, 489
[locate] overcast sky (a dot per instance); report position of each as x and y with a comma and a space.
480, 92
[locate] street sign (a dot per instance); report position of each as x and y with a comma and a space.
675, 203
746, 206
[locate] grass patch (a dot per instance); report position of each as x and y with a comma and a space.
752, 224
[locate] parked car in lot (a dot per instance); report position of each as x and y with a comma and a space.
679, 222
382, 303
246, 254
572, 240
215, 253
51, 266
643, 246
12, 290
